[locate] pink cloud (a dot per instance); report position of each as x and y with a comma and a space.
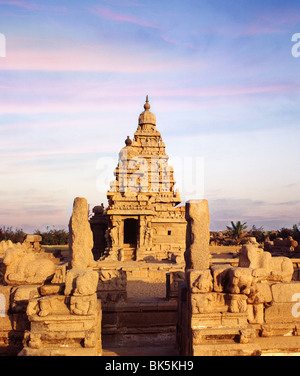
274, 23
97, 97
31, 6
125, 3
20, 4
91, 58
253, 30
105, 12
177, 42
19, 216
220, 91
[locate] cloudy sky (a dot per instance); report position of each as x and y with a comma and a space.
221, 79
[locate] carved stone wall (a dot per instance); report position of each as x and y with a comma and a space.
226, 310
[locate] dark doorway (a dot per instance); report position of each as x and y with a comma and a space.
130, 231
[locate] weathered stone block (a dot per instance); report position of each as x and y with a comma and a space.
220, 276
48, 305
234, 319
83, 305
227, 349
81, 282
52, 289
263, 294
21, 295
138, 273
284, 292
208, 320
236, 302
255, 313
6, 323
200, 281
64, 334
172, 283
282, 312
209, 302
112, 280
33, 238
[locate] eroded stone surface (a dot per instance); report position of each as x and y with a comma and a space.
80, 236
197, 241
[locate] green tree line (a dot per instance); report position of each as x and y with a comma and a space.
51, 236
237, 231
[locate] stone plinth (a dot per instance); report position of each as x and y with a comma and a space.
68, 335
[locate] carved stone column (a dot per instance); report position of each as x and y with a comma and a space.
197, 240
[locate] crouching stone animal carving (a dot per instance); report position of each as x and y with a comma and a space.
83, 305
266, 267
239, 280
81, 286
26, 267
48, 305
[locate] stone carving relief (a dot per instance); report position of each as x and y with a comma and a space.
201, 281
208, 303
239, 280
26, 267
266, 267
148, 235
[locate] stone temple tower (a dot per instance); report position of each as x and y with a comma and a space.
144, 219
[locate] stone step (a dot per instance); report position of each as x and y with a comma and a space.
277, 345
141, 351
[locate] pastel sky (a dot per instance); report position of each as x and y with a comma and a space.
221, 79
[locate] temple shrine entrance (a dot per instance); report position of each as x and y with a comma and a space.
130, 239
130, 231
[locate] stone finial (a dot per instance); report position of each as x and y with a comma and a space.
147, 117
80, 236
197, 236
128, 141
147, 105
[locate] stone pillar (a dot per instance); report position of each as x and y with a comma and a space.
80, 236
197, 253
65, 319
213, 311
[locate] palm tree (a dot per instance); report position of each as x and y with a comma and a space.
236, 230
